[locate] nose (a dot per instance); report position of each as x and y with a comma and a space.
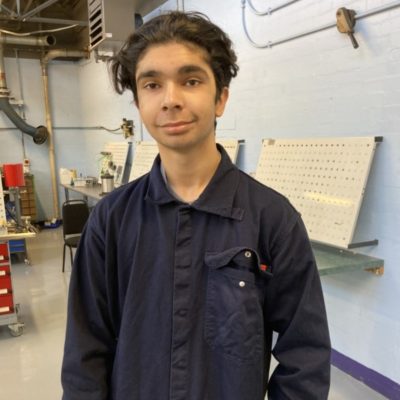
173, 98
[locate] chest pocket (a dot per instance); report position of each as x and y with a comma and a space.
234, 318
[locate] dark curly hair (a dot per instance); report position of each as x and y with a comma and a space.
180, 27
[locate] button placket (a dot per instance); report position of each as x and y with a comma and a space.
181, 298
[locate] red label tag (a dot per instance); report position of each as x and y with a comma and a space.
263, 267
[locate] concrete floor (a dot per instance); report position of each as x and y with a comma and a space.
30, 364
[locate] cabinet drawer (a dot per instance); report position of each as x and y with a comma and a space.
3, 252
4, 270
6, 303
5, 284
25, 203
28, 182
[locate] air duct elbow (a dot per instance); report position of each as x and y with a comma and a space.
38, 134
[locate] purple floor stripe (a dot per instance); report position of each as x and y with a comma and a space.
385, 386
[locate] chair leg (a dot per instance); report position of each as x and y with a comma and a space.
63, 267
72, 258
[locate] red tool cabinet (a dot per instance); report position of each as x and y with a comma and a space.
8, 308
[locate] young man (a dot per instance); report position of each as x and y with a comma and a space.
182, 275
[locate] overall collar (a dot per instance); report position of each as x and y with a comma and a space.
217, 198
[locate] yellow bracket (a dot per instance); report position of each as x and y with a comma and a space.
376, 270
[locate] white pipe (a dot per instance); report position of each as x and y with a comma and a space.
269, 44
271, 9
51, 55
378, 10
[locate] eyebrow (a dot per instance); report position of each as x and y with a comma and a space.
184, 70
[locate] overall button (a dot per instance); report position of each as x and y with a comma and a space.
242, 284
181, 364
183, 312
247, 254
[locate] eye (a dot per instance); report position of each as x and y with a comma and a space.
151, 85
192, 82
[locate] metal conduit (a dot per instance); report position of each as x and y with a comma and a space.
321, 28
51, 55
270, 10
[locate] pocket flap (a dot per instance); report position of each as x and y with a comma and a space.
240, 255
220, 259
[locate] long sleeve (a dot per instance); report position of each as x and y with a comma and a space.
296, 311
90, 341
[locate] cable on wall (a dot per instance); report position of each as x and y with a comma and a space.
321, 28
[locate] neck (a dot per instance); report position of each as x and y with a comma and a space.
189, 173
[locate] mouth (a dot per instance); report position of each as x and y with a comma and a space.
176, 126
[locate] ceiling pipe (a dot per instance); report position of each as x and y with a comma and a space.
39, 134
51, 55
63, 53
48, 40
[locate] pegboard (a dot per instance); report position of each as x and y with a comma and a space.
146, 152
231, 146
119, 155
324, 178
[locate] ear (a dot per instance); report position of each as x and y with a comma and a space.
221, 102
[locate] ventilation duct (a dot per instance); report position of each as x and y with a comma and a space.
110, 22
48, 40
38, 134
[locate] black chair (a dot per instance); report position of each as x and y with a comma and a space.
75, 214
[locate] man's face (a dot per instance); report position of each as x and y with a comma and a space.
176, 95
